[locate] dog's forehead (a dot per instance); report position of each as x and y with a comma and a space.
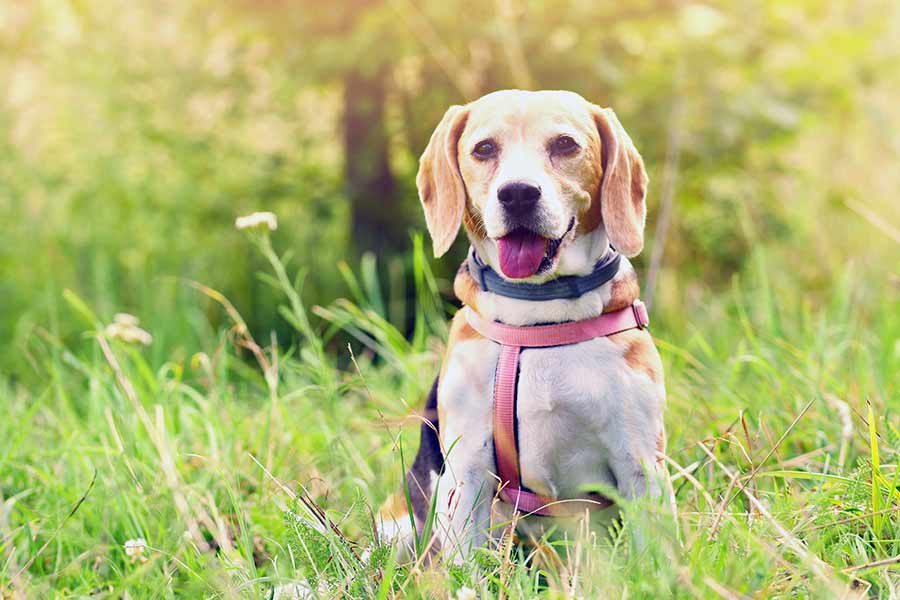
515, 110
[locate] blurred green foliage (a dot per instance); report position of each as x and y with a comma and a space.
132, 134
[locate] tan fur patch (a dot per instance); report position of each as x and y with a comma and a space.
394, 508
661, 447
460, 331
474, 224
625, 290
592, 216
639, 352
465, 288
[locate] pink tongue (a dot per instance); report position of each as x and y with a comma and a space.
521, 253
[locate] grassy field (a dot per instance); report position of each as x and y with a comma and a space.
179, 471
234, 441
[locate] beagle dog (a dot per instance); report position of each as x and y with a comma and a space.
551, 191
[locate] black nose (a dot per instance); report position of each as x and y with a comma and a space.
518, 198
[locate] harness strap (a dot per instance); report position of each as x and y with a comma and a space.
561, 334
505, 446
512, 340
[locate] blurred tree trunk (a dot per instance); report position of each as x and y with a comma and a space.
377, 215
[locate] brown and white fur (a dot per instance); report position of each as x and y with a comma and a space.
588, 413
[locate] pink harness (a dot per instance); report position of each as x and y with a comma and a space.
512, 339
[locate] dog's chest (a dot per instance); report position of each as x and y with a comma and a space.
574, 405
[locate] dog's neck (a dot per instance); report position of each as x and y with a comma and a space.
619, 292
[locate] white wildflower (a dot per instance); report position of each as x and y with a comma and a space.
126, 319
257, 219
466, 593
134, 549
125, 327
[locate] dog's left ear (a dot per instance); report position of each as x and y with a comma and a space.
623, 189
441, 187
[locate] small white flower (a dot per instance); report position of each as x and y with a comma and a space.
126, 319
125, 327
466, 593
257, 219
135, 549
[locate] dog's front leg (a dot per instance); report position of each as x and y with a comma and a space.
465, 493
633, 464
466, 488
636, 441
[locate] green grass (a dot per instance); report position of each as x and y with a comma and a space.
782, 437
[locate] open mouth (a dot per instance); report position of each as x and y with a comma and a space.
524, 253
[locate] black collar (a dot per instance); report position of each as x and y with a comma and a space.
566, 287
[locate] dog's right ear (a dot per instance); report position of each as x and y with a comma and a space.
441, 187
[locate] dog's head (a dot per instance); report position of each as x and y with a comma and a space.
544, 182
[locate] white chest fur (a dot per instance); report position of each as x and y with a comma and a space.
584, 416
582, 413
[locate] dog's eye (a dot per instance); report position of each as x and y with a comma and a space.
485, 149
564, 145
